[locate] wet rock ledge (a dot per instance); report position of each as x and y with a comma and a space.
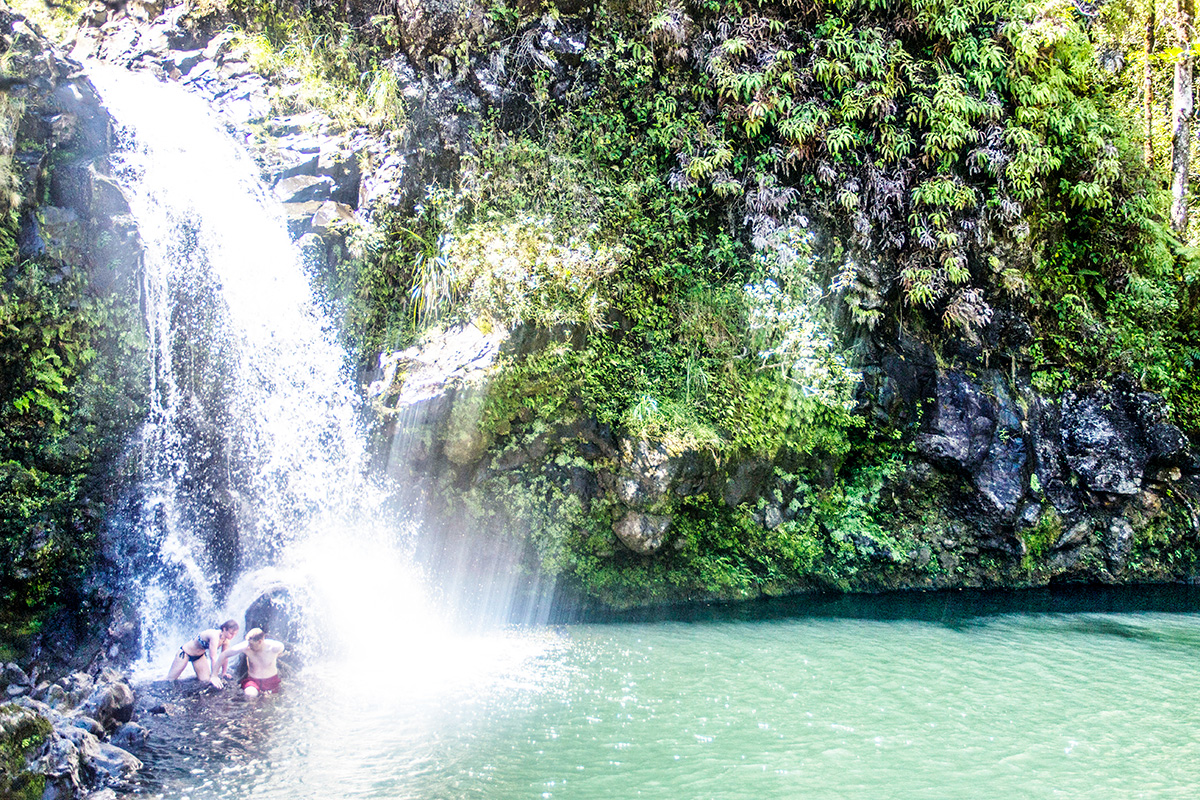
69, 738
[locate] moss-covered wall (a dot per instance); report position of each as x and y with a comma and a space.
795, 296
72, 347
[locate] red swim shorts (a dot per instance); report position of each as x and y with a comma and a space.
263, 685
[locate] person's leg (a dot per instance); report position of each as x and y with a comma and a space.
177, 666
203, 670
251, 690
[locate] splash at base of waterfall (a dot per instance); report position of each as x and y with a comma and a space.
257, 503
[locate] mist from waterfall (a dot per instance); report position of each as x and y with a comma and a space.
253, 456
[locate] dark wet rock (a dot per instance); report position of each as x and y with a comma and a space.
13, 675
644, 534
430, 27
61, 766
111, 704
1004, 542
78, 685
959, 428
1100, 443
112, 762
88, 724
123, 636
772, 516
314, 253
70, 209
130, 736
1076, 535
439, 386
1049, 462
872, 548
1165, 443
649, 475
551, 48
1117, 541
1113, 433
95, 762
277, 613
746, 482
68, 748
1001, 478
71, 761
1029, 515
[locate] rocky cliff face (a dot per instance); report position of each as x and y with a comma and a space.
1000, 486
72, 229
70, 209
71, 285
991, 483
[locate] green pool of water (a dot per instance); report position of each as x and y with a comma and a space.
1005, 705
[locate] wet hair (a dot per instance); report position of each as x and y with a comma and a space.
255, 635
230, 625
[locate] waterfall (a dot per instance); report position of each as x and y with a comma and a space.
254, 475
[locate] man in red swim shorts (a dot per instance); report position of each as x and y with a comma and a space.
262, 672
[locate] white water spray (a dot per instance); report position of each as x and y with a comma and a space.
244, 361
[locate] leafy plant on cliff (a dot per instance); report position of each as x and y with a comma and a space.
317, 61
959, 164
65, 417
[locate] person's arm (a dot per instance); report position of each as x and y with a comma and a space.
213, 650
219, 665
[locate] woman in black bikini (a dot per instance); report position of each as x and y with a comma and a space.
208, 643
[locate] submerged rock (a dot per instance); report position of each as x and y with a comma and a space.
130, 736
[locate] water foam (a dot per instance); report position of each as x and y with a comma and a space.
248, 377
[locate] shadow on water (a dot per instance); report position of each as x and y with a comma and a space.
955, 609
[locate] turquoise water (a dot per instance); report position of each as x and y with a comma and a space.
1053, 705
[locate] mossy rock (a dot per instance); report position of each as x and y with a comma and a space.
22, 734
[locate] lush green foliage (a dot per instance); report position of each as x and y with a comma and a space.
742, 175
921, 131
694, 234
70, 396
314, 58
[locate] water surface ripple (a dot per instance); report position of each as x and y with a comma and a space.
1093, 705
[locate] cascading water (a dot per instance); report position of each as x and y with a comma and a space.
254, 465
255, 480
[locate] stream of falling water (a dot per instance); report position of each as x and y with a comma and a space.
255, 480
254, 470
